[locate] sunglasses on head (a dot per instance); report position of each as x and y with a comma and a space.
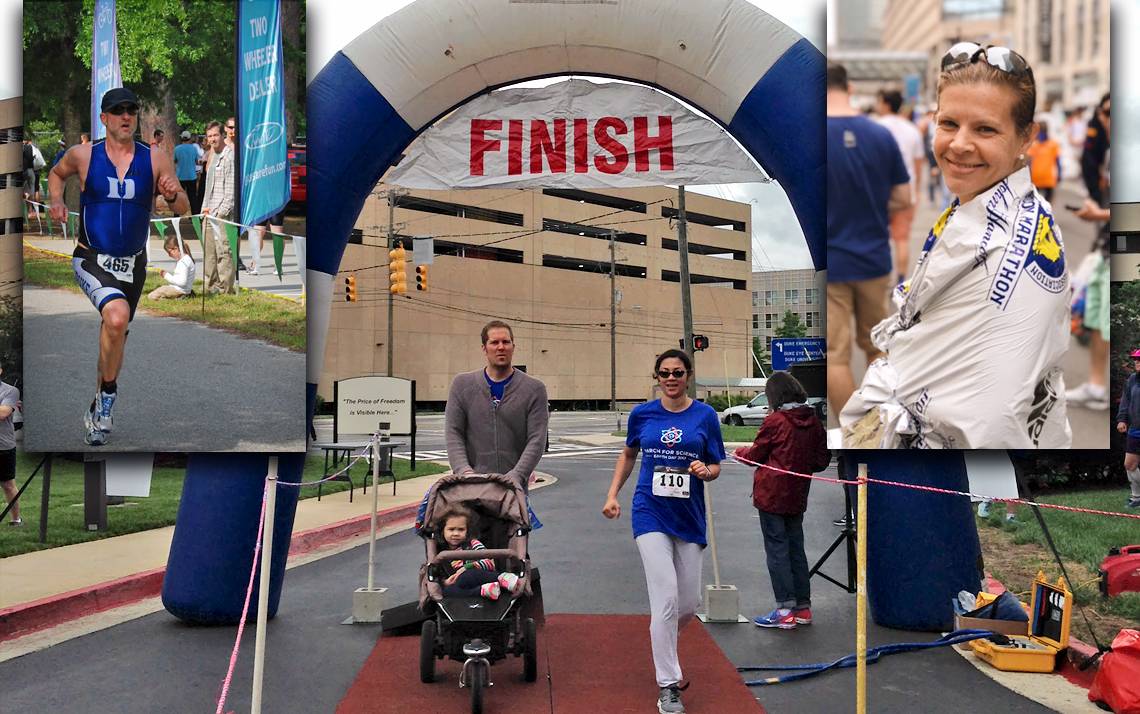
964, 54
676, 373
120, 109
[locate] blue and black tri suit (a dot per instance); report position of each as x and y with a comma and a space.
114, 225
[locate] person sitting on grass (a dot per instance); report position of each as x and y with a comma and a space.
181, 281
791, 437
472, 577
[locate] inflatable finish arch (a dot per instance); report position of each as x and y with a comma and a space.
746, 70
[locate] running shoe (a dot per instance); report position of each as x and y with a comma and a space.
1134, 502
669, 700
781, 618
104, 402
802, 615
16, 523
94, 435
1088, 396
984, 509
841, 522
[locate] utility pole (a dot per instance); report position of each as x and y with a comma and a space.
686, 298
613, 326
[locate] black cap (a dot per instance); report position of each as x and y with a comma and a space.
116, 96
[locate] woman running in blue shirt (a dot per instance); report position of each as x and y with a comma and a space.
681, 448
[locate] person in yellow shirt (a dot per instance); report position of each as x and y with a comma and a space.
1044, 162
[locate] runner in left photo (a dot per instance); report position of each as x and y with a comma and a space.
163, 221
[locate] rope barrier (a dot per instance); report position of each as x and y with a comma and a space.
163, 219
946, 491
245, 607
253, 568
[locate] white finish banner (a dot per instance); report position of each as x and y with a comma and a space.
573, 134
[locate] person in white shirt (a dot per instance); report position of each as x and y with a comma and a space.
909, 139
181, 281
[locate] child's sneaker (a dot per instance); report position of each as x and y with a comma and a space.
490, 591
510, 582
780, 617
802, 615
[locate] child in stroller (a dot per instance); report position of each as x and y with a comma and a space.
471, 577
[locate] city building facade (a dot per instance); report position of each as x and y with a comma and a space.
540, 260
777, 292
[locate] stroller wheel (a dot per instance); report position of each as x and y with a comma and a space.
530, 650
477, 681
427, 652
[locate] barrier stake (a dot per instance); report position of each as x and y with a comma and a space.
861, 595
712, 533
263, 586
375, 507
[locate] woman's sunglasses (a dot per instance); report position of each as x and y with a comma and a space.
966, 53
120, 109
675, 374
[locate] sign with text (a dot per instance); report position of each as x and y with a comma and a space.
261, 111
105, 73
787, 351
573, 134
363, 402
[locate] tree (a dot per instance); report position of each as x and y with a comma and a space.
792, 326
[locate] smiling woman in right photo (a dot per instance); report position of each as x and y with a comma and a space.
973, 353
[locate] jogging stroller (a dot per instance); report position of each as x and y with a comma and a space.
473, 630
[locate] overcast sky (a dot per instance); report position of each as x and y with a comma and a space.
777, 240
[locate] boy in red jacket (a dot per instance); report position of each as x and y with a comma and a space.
791, 438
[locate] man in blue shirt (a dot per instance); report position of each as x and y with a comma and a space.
186, 169
866, 182
120, 178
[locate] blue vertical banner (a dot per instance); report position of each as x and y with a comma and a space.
105, 72
261, 111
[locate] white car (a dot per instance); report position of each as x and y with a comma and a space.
754, 411
751, 413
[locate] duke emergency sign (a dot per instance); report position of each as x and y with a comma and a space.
787, 351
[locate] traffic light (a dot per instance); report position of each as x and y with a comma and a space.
421, 277
397, 270
350, 288
700, 342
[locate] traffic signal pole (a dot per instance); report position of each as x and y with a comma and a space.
613, 328
391, 245
686, 298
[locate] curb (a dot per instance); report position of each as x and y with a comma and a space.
1077, 652
29, 617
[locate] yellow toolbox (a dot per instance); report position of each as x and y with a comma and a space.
1049, 617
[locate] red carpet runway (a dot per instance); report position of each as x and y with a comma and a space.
587, 663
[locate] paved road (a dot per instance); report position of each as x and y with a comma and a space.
1090, 428
182, 384
589, 565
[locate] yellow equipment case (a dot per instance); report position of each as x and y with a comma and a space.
1048, 632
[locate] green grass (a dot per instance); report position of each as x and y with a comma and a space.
727, 433
1081, 538
249, 313
65, 511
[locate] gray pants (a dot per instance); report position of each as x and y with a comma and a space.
673, 577
1134, 482
787, 562
218, 263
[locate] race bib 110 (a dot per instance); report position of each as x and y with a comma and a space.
670, 482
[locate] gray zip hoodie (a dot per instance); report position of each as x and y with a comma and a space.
505, 439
